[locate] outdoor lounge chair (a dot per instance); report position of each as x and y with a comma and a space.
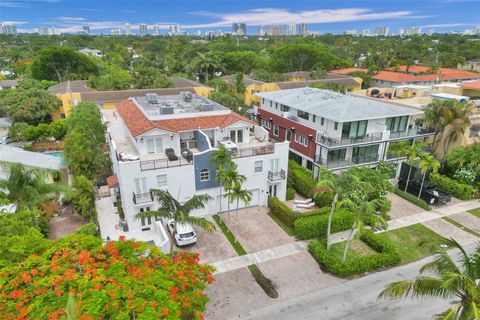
306, 206
306, 201
170, 153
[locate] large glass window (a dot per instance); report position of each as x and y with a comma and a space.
365, 154
303, 114
140, 185
154, 145
284, 108
336, 155
397, 124
356, 129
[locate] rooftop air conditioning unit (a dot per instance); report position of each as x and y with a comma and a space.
205, 106
166, 109
187, 96
152, 98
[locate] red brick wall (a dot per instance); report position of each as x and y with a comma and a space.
284, 123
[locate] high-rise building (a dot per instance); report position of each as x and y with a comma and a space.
43, 31
365, 32
175, 30
156, 30
86, 29
303, 29
143, 29
352, 32
275, 30
9, 28
291, 29
413, 31
261, 31
381, 31
128, 29
239, 29
401, 31
115, 32
431, 31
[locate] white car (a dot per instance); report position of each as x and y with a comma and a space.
184, 234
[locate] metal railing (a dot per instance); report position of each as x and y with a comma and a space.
415, 131
276, 176
355, 161
139, 198
331, 142
253, 151
163, 163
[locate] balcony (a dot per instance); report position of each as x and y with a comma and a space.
333, 142
415, 131
334, 164
276, 176
252, 151
142, 198
163, 163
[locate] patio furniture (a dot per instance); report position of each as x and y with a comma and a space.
170, 153
296, 208
306, 201
188, 155
306, 206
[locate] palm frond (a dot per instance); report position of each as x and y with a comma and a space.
166, 214
200, 222
198, 201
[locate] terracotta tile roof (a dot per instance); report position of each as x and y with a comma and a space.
411, 69
70, 87
119, 95
347, 81
112, 181
395, 76
471, 85
450, 74
348, 70
442, 73
137, 123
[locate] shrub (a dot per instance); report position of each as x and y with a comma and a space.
88, 229
301, 179
387, 256
265, 283
457, 189
316, 226
412, 199
290, 193
287, 215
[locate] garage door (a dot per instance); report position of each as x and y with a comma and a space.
233, 205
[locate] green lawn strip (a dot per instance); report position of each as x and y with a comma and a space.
356, 249
475, 212
288, 230
461, 226
412, 199
230, 237
414, 242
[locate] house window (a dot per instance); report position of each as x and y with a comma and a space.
258, 166
270, 104
322, 121
397, 124
335, 126
263, 101
301, 139
204, 175
154, 145
276, 105
336, 155
145, 221
162, 180
313, 118
284, 108
276, 129
356, 129
288, 135
303, 114
239, 136
140, 185
266, 124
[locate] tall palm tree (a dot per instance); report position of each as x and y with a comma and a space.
30, 187
412, 153
171, 208
230, 178
220, 158
454, 280
238, 194
427, 162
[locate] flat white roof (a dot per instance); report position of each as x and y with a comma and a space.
448, 96
412, 86
336, 106
28, 158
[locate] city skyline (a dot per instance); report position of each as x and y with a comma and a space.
323, 17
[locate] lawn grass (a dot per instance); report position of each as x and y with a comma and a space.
414, 242
229, 235
461, 226
288, 230
356, 249
475, 212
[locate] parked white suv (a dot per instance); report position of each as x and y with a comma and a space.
184, 234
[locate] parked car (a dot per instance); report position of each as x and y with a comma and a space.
430, 194
184, 234
5, 140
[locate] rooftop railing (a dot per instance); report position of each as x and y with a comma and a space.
276, 176
332, 142
253, 151
146, 165
415, 131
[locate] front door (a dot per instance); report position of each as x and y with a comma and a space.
272, 191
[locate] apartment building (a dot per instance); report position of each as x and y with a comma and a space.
166, 142
334, 130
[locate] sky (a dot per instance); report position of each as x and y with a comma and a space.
321, 16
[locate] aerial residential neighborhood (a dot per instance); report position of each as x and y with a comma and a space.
288, 160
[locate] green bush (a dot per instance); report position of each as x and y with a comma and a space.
89, 229
301, 179
387, 256
457, 189
412, 199
290, 193
316, 226
287, 215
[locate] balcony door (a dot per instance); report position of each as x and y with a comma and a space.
356, 129
365, 154
154, 145
141, 185
274, 165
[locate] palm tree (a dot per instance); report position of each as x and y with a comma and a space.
427, 162
412, 153
238, 194
29, 187
170, 208
451, 279
204, 61
230, 178
220, 158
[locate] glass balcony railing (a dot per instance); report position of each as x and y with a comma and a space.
355, 161
332, 142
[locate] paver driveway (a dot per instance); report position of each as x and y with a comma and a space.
401, 207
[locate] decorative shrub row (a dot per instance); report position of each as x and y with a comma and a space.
290, 193
457, 189
387, 256
287, 215
412, 199
316, 226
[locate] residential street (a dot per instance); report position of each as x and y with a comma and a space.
355, 299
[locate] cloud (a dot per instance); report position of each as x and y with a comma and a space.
9, 4
445, 25
18, 23
71, 19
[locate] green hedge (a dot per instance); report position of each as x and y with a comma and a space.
316, 226
457, 189
300, 179
387, 256
287, 215
412, 199
290, 193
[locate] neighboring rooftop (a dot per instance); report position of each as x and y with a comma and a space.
184, 82
471, 85
70, 87
8, 83
246, 80
6, 122
347, 81
337, 107
402, 77
449, 96
29, 159
296, 84
349, 70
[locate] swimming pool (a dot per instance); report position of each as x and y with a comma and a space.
56, 154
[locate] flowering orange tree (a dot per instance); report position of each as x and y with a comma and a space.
119, 280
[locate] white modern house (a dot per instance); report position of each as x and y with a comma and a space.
334, 130
166, 142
